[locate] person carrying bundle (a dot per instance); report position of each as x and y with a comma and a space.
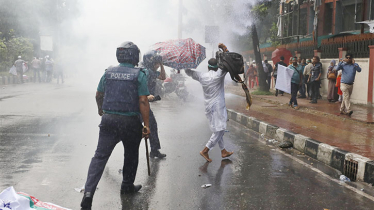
215, 107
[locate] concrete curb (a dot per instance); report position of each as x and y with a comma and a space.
325, 153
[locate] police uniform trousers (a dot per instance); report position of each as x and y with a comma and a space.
153, 137
113, 129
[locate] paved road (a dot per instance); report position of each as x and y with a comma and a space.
48, 134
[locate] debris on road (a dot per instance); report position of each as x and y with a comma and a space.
344, 178
272, 141
300, 155
80, 190
10, 199
286, 144
206, 185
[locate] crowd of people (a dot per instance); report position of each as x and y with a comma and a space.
306, 79
43, 69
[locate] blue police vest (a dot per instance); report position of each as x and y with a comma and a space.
121, 89
152, 78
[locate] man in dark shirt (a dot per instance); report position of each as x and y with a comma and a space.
152, 61
302, 62
269, 72
282, 63
314, 78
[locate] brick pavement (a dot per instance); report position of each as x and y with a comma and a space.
319, 121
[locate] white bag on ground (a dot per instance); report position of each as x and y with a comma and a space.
11, 200
284, 76
13, 71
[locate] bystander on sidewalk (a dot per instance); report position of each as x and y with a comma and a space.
321, 121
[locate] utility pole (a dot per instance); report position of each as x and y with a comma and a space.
260, 70
180, 17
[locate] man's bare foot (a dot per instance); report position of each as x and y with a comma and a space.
225, 153
205, 154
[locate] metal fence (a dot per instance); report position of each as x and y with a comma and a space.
355, 44
358, 45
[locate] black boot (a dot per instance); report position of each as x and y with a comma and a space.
130, 189
156, 153
87, 201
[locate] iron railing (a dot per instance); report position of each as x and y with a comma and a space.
355, 44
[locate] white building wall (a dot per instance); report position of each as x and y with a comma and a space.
360, 87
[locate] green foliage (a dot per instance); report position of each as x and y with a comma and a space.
274, 39
265, 16
260, 11
27, 17
22, 21
11, 49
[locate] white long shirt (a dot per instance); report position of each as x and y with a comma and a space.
214, 95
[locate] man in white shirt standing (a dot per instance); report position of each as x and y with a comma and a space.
215, 106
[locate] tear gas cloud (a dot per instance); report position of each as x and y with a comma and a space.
103, 25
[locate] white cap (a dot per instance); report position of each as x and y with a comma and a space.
19, 57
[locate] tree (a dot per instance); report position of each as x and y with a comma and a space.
265, 15
11, 49
261, 73
275, 41
259, 13
22, 20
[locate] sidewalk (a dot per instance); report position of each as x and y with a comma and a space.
316, 130
319, 121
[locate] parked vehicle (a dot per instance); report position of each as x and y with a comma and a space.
176, 83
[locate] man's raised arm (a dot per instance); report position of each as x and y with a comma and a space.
194, 74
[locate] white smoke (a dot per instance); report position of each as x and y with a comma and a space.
103, 25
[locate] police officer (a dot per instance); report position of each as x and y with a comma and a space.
19, 68
152, 61
121, 98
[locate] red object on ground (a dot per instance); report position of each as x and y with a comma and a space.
276, 54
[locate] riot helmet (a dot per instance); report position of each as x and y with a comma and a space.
151, 58
128, 52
